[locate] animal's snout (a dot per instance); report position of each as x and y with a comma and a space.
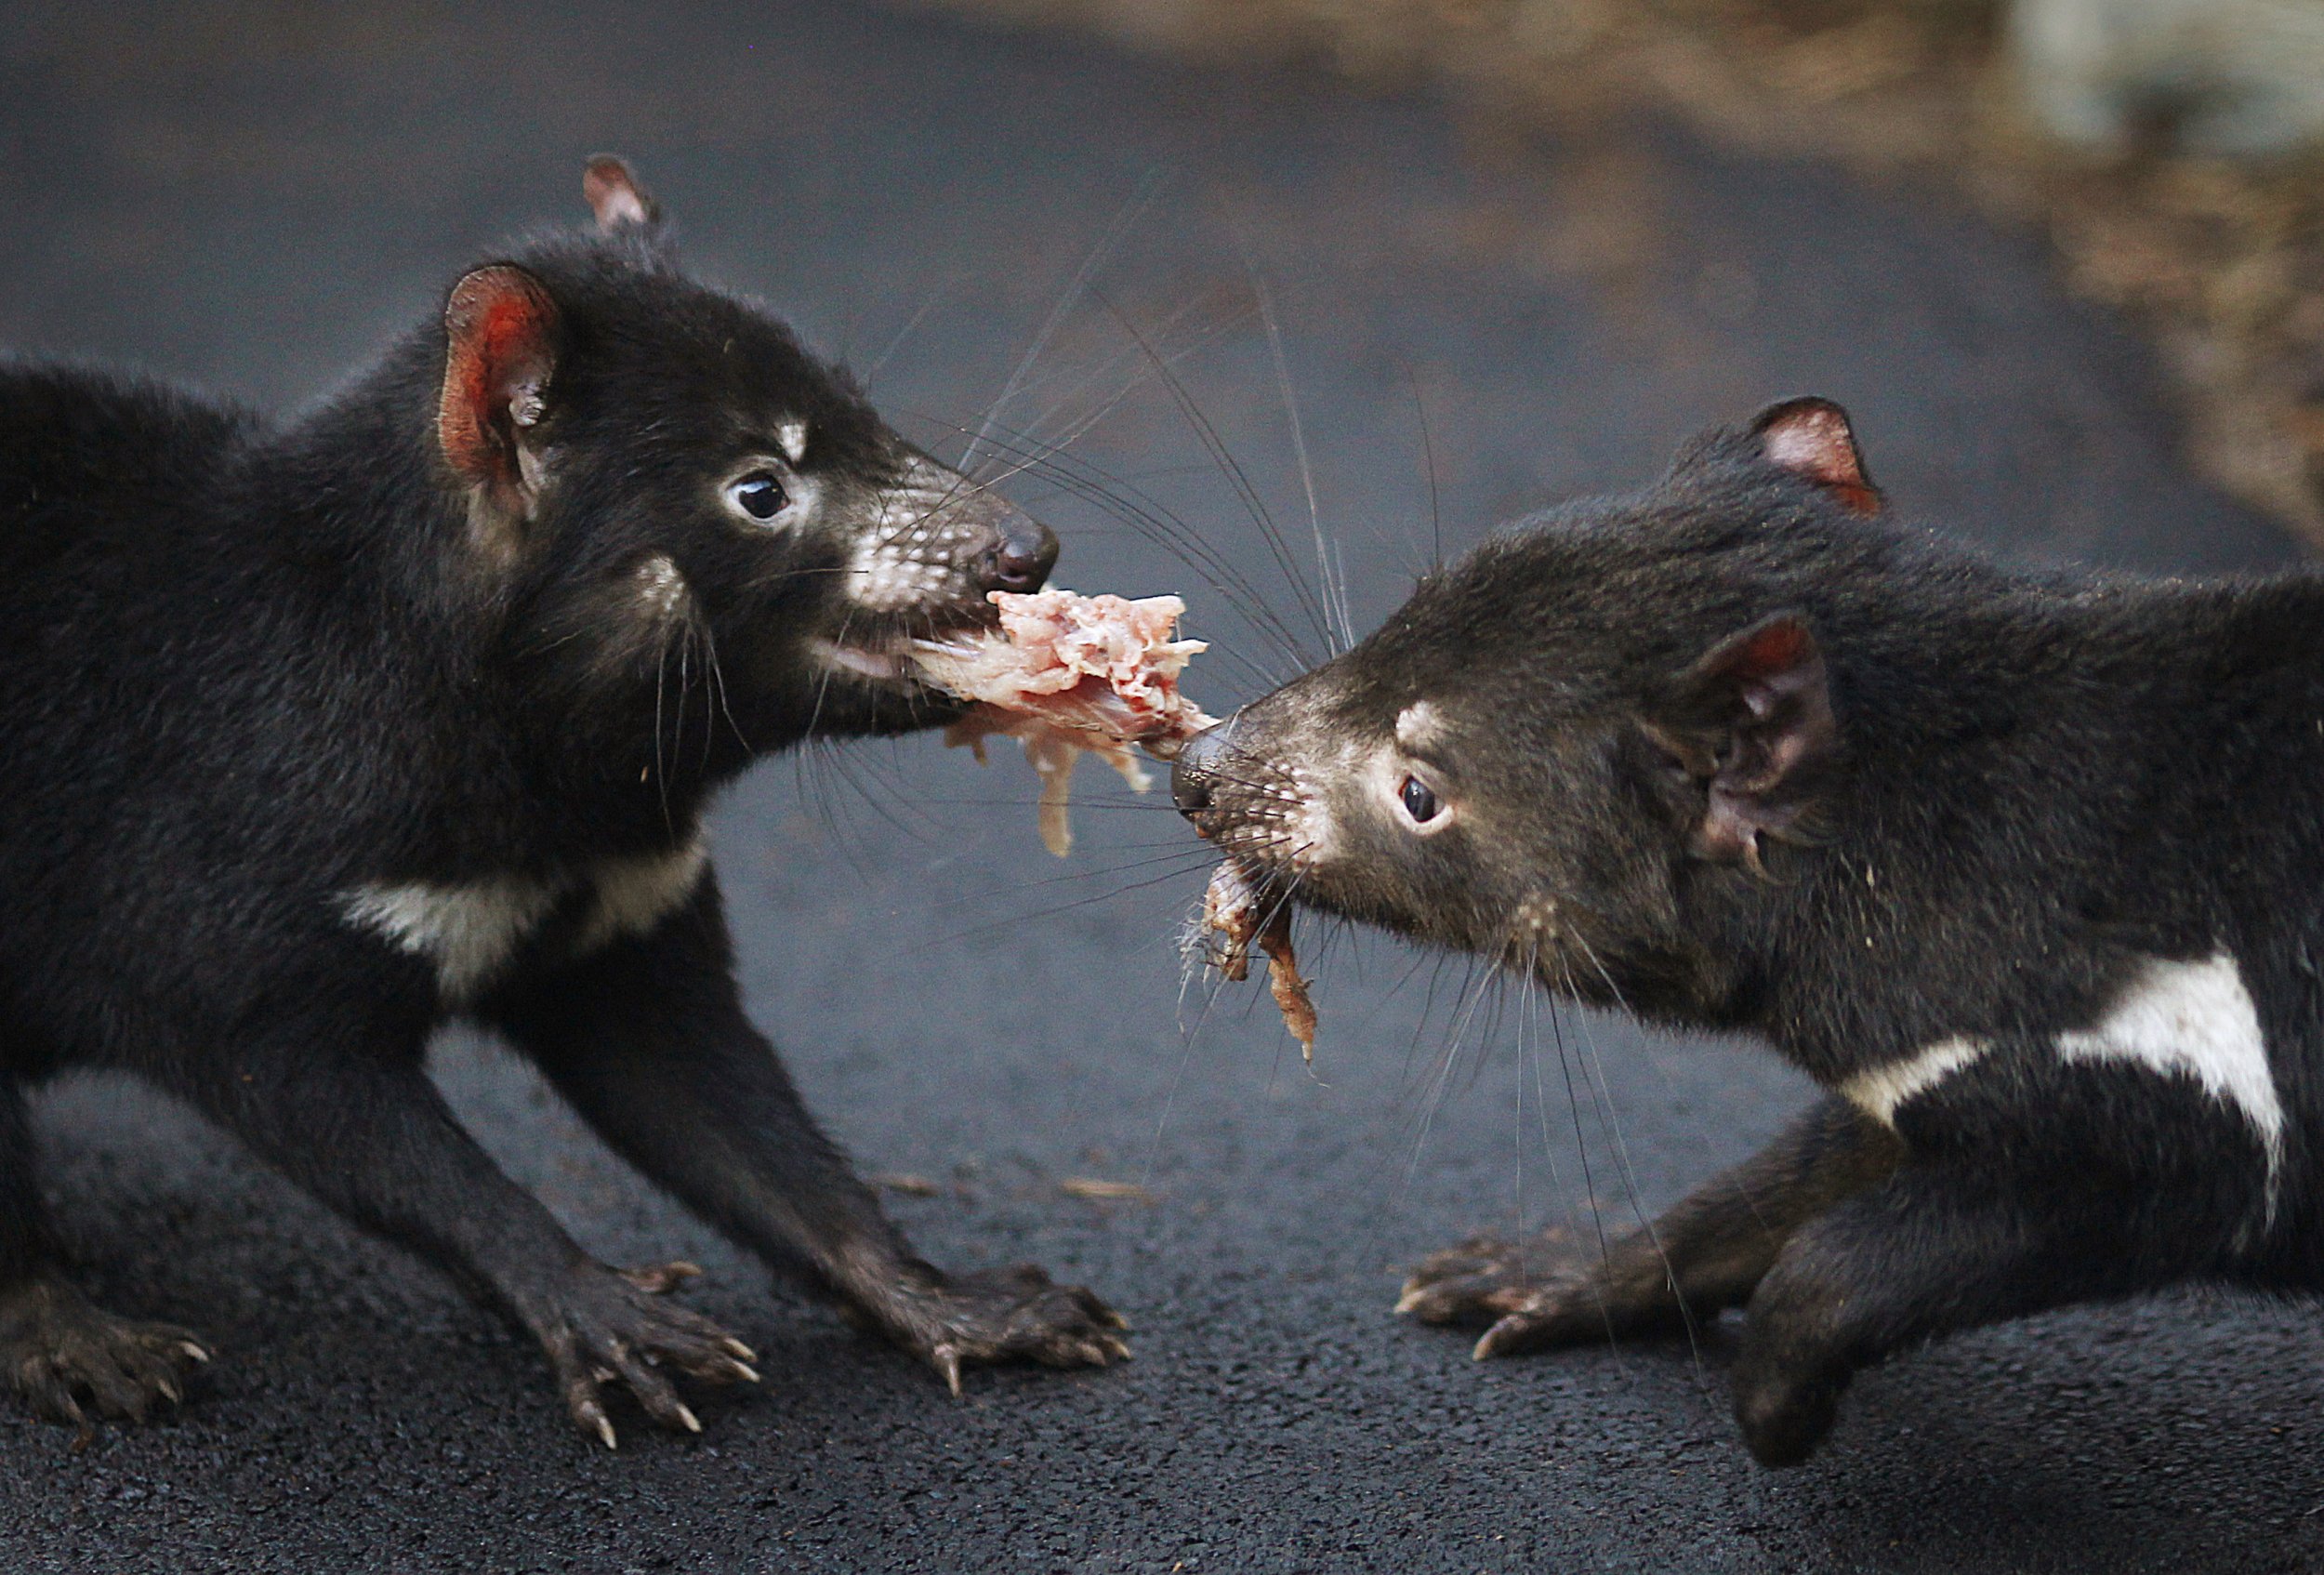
1197, 767
1022, 559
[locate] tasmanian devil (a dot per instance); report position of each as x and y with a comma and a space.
318, 736
2021, 868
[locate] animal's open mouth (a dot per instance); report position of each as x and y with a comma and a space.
882, 653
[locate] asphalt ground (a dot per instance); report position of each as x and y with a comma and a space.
1469, 322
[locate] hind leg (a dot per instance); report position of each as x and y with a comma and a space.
58, 1352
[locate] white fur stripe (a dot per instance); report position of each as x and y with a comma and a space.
1880, 1089
633, 894
2194, 1020
469, 931
2175, 1019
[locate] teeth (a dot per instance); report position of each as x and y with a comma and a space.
854, 659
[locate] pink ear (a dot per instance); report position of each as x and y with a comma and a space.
501, 332
1754, 719
615, 195
1811, 438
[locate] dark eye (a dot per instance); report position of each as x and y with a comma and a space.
759, 494
1418, 802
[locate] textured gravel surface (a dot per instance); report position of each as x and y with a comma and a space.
252, 199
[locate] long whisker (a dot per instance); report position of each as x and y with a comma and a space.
1335, 602
1128, 215
1155, 522
1237, 478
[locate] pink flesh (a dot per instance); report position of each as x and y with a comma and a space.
1069, 675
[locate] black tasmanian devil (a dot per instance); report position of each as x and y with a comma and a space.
2022, 869
318, 736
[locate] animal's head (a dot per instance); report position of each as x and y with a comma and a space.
1560, 744
684, 514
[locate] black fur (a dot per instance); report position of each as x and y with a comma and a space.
282, 710
1737, 753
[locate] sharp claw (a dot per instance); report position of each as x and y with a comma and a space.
1115, 1320
692, 1422
947, 1360
683, 1269
740, 1352
1414, 1296
169, 1387
606, 1431
192, 1350
1119, 1348
749, 1374
1500, 1336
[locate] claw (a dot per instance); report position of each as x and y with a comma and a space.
745, 1371
192, 1350
663, 1279
168, 1386
1115, 1320
1414, 1296
1501, 1334
686, 1415
947, 1360
740, 1352
1118, 1348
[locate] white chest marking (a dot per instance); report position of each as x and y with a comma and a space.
2194, 1020
1880, 1089
633, 894
469, 931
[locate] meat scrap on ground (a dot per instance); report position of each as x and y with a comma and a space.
1069, 675
1231, 909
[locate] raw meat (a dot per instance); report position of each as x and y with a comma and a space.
1069, 675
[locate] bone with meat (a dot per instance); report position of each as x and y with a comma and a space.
1069, 675
1231, 909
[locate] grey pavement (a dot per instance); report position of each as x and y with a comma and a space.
251, 197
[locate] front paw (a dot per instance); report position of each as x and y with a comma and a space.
599, 1326
1528, 1295
1013, 1314
58, 1349
1784, 1415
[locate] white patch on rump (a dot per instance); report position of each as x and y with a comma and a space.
468, 932
2194, 1020
2175, 1019
1880, 1089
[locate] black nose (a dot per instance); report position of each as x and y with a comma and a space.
1196, 768
1022, 559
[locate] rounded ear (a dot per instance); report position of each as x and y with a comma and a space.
617, 196
501, 332
1753, 721
1812, 439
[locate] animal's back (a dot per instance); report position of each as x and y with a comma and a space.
81, 450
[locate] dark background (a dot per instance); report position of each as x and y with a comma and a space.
252, 199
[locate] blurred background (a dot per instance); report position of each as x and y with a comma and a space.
1268, 304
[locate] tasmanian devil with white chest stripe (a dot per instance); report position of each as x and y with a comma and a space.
2023, 868
318, 736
